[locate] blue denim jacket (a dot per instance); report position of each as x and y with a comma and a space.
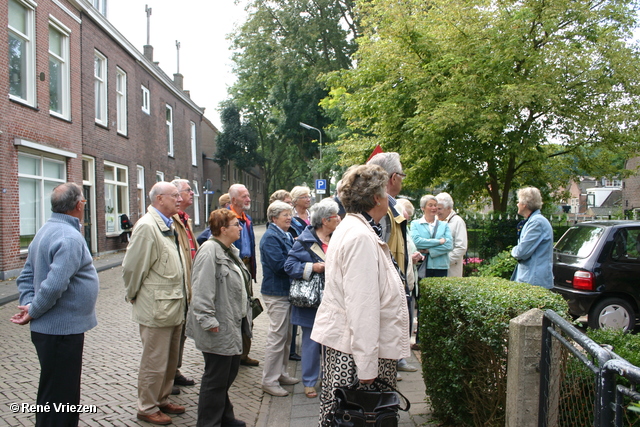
274, 249
534, 252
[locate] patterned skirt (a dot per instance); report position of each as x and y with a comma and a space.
339, 370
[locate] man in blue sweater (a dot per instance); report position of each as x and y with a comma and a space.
58, 292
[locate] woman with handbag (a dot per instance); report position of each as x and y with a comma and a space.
363, 319
219, 307
306, 260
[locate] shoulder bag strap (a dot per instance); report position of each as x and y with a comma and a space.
392, 388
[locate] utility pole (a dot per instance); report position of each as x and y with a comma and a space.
147, 9
178, 53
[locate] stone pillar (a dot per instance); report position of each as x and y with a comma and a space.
523, 377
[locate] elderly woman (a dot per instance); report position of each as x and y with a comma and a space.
282, 195
274, 248
432, 238
534, 250
301, 200
218, 306
307, 257
363, 318
458, 233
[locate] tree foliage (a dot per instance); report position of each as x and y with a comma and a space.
238, 142
280, 51
481, 96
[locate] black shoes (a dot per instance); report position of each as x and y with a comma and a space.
295, 356
183, 381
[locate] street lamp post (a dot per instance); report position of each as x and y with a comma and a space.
306, 126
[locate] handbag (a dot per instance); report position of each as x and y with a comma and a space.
256, 307
357, 407
307, 293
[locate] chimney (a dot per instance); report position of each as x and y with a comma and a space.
178, 79
188, 93
148, 52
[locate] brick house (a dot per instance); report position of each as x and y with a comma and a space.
83, 105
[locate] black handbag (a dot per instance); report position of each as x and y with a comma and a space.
307, 293
358, 407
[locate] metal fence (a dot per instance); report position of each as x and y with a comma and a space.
582, 383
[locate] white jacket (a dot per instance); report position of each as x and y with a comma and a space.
364, 308
459, 233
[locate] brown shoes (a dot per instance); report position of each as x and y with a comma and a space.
249, 362
157, 418
172, 408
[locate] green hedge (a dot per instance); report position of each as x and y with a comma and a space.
465, 323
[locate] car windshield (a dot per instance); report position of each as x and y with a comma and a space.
579, 240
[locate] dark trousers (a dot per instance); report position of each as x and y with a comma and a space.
60, 359
214, 406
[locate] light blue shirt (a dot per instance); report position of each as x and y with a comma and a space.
167, 221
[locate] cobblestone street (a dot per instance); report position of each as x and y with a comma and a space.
111, 359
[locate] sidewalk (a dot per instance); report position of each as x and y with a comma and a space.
112, 356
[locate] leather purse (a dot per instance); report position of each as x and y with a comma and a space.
359, 407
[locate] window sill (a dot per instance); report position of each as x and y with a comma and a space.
23, 102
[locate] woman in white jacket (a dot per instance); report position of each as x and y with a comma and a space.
363, 318
458, 232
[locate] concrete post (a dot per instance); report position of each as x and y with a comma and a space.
523, 378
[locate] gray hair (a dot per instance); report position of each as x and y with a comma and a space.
279, 195
65, 197
180, 182
445, 200
157, 190
390, 162
234, 190
531, 197
276, 208
425, 199
360, 185
326, 208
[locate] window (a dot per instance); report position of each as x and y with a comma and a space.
145, 100
59, 88
196, 203
194, 148
159, 176
116, 195
101, 5
170, 129
121, 100
100, 75
22, 51
37, 177
140, 188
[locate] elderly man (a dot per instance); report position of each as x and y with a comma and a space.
394, 226
246, 244
189, 246
58, 292
458, 233
154, 278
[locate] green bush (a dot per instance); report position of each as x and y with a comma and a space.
465, 323
501, 265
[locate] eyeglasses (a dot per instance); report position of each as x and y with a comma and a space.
332, 216
401, 175
174, 195
304, 197
187, 190
236, 224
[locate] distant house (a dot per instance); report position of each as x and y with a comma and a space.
592, 196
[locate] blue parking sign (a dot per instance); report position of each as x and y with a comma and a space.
321, 186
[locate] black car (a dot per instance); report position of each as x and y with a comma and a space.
596, 267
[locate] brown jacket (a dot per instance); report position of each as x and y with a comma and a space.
183, 239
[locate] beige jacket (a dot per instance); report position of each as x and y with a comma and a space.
364, 309
183, 238
153, 272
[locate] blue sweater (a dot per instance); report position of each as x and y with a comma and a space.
59, 279
274, 249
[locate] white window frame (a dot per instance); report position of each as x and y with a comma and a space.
194, 145
43, 204
101, 6
63, 59
121, 101
159, 176
90, 182
141, 193
169, 127
196, 203
100, 89
28, 38
146, 105
117, 210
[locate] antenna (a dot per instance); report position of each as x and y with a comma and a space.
178, 53
147, 9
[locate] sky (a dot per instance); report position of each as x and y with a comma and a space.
201, 28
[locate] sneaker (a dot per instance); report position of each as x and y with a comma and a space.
406, 367
287, 380
275, 390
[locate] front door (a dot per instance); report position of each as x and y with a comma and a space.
87, 216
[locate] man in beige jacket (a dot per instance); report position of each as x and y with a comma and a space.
189, 246
154, 280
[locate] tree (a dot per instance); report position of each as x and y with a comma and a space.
483, 95
238, 142
280, 51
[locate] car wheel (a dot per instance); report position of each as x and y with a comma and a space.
612, 313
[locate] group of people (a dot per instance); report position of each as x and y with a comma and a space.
360, 243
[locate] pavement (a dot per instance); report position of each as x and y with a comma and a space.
110, 368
